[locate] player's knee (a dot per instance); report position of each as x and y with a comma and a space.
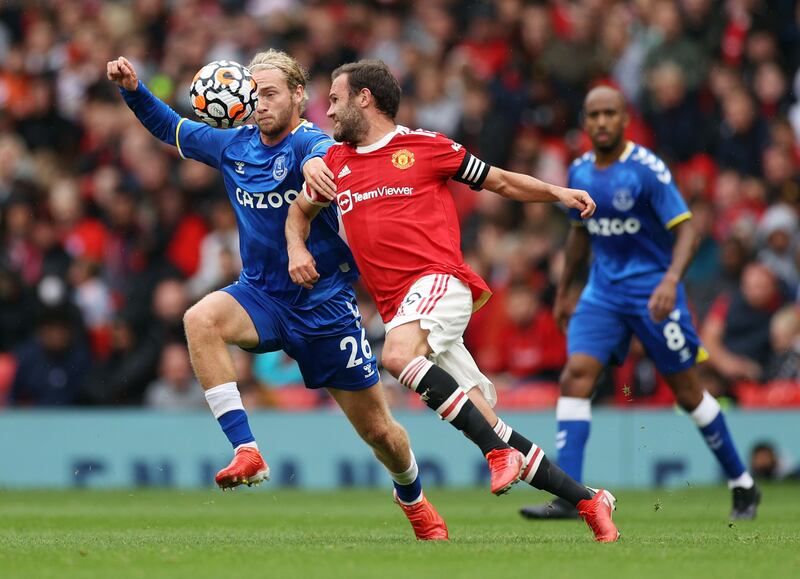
576, 381
199, 320
395, 358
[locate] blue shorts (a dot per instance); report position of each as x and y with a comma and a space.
332, 350
605, 334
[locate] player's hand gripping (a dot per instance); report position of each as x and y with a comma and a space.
302, 267
121, 71
576, 199
662, 300
319, 178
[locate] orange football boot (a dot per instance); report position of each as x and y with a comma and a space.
505, 465
246, 468
597, 514
428, 525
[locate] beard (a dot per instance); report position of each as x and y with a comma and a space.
279, 124
352, 125
609, 146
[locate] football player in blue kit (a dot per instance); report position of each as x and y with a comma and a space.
263, 167
643, 241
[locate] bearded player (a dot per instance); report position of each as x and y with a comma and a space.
401, 224
643, 241
263, 167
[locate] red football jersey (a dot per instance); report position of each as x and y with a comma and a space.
399, 216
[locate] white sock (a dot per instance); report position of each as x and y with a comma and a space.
571, 408
407, 477
224, 398
745, 481
706, 411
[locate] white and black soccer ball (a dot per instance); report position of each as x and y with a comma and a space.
224, 94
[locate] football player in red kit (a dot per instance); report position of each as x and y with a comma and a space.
390, 184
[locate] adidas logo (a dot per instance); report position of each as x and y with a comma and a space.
344, 172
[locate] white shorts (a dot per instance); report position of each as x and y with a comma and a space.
443, 305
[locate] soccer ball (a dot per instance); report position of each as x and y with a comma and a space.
223, 94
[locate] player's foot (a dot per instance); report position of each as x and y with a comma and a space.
597, 514
505, 465
745, 503
555, 509
246, 468
428, 525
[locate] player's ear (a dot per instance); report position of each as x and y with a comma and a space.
364, 97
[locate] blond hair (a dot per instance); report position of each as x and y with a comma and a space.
293, 72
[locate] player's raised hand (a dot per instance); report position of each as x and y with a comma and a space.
121, 71
576, 199
319, 178
302, 267
662, 300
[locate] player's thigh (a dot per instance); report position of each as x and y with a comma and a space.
250, 319
342, 360
673, 345
596, 336
436, 308
221, 313
598, 332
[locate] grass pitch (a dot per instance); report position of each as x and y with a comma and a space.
361, 534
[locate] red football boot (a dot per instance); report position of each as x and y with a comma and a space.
428, 525
246, 468
597, 514
505, 465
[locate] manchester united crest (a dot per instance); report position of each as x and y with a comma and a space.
403, 159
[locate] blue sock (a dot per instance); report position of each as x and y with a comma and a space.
709, 418
407, 484
235, 426
574, 420
226, 405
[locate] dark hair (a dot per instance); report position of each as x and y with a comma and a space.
375, 76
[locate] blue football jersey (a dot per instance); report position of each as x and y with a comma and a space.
637, 205
261, 181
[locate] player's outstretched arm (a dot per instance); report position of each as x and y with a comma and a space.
529, 189
302, 266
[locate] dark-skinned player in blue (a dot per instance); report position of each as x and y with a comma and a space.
643, 240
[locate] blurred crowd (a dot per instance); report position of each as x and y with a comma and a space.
108, 236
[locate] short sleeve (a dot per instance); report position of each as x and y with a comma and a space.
309, 142
453, 161
665, 199
203, 143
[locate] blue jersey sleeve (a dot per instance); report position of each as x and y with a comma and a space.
194, 140
665, 199
309, 142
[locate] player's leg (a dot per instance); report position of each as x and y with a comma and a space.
539, 471
595, 336
405, 355
214, 322
369, 414
675, 348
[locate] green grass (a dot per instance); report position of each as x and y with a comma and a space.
361, 534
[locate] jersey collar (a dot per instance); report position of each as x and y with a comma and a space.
383, 141
629, 146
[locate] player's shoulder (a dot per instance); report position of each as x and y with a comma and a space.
581, 163
646, 163
308, 129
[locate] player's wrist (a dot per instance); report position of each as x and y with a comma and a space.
672, 277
